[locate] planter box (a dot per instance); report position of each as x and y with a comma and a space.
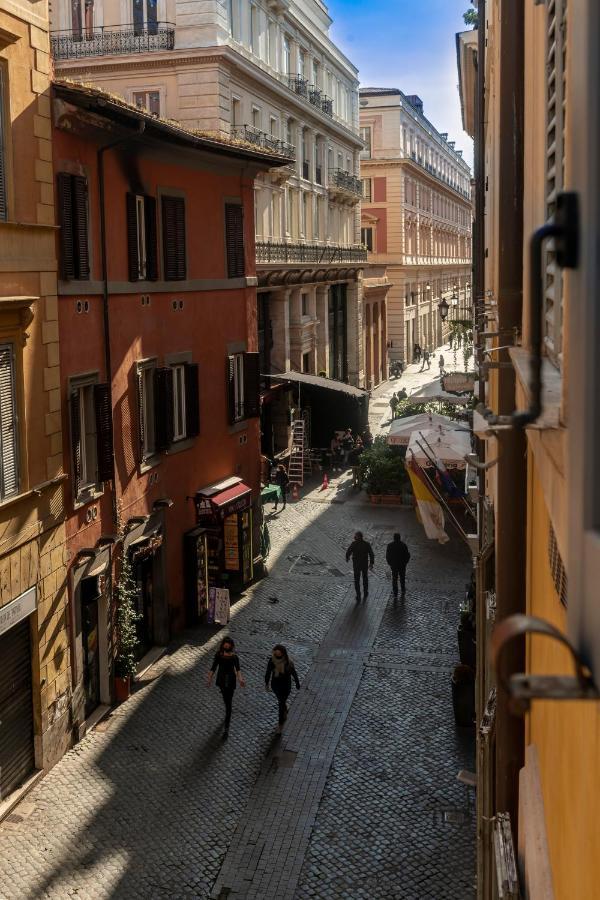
387, 499
122, 688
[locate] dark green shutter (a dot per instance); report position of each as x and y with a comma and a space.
163, 408
80, 227
173, 220
251, 385
76, 442
104, 433
234, 240
230, 379
141, 416
65, 220
133, 259
192, 400
151, 248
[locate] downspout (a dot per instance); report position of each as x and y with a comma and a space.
105, 304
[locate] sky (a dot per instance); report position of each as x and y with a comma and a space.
408, 44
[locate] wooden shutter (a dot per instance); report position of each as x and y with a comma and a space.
230, 376
76, 441
151, 240
65, 219
192, 400
133, 259
163, 408
173, 221
142, 425
80, 227
104, 433
3, 203
9, 474
251, 385
234, 240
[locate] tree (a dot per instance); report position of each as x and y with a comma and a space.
470, 18
127, 616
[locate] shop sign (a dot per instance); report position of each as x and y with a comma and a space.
204, 509
18, 609
236, 506
148, 548
232, 545
221, 614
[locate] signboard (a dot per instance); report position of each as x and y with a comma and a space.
18, 609
221, 605
232, 544
212, 599
204, 509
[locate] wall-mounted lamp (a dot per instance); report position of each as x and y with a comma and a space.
443, 309
162, 503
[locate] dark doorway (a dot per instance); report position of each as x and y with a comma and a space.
144, 576
89, 638
16, 708
338, 340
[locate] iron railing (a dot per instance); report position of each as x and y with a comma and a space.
298, 84
112, 40
340, 178
433, 170
263, 140
301, 86
280, 252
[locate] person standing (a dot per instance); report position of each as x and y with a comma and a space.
441, 364
282, 479
397, 557
425, 360
347, 444
227, 666
363, 559
393, 405
278, 678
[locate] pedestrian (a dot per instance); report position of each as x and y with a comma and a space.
425, 360
367, 439
283, 480
441, 364
363, 559
397, 557
354, 460
402, 395
393, 405
347, 444
428, 360
278, 678
227, 666
459, 339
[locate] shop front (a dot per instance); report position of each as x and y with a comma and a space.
218, 553
145, 545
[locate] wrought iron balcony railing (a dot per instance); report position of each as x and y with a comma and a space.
295, 252
300, 85
112, 40
339, 178
263, 140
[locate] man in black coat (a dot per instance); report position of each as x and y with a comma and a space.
397, 557
363, 558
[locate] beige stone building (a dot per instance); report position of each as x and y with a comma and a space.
35, 677
416, 217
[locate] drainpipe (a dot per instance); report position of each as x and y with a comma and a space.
105, 304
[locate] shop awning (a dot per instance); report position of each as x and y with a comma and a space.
329, 384
401, 429
223, 498
232, 493
445, 445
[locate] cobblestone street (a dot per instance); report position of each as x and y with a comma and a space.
358, 799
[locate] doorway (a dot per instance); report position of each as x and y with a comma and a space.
144, 578
90, 643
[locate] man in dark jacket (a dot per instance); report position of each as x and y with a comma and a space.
363, 558
397, 557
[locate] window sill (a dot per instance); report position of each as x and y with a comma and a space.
88, 495
149, 463
551, 388
180, 446
236, 427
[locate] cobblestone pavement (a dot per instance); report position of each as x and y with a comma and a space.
358, 799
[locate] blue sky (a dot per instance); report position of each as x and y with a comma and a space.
407, 44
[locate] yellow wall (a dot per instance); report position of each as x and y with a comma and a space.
567, 735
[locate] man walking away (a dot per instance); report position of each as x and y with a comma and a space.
397, 557
441, 364
282, 479
363, 558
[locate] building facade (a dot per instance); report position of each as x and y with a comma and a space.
416, 217
268, 73
35, 680
529, 83
159, 372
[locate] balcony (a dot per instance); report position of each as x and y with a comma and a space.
268, 252
112, 40
300, 85
263, 140
344, 185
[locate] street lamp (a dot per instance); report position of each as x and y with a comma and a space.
443, 309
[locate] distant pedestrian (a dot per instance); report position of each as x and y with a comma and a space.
417, 353
278, 678
227, 666
459, 339
363, 559
337, 453
441, 364
393, 405
397, 557
347, 444
354, 460
283, 480
426, 358
401, 395
367, 439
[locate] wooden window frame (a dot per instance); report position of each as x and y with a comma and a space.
235, 240
9, 347
87, 490
173, 270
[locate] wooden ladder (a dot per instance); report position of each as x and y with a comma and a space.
296, 466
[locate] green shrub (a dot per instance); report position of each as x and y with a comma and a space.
382, 468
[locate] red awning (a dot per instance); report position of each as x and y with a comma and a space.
229, 494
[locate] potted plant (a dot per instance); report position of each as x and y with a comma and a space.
127, 639
467, 648
463, 695
382, 471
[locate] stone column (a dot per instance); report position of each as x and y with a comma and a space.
279, 306
322, 328
295, 345
354, 325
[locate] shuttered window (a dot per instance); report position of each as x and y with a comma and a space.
173, 225
141, 237
163, 408
243, 386
234, 240
3, 143
73, 220
555, 168
168, 405
91, 436
9, 472
145, 391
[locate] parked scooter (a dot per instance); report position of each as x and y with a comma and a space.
395, 368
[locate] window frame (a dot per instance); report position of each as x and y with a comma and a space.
9, 346
367, 151
363, 233
367, 196
5, 145
145, 92
169, 195
87, 490
144, 370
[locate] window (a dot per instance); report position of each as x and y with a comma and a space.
91, 436
366, 188
256, 117
301, 63
145, 386
304, 304
174, 250
168, 405
287, 56
243, 386
304, 207
145, 15
318, 167
366, 237
289, 211
234, 240
73, 220
273, 126
306, 362
148, 100
254, 30
141, 237
3, 144
9, 445
365, 134
305, 156
236, 111
178, 402
315, 72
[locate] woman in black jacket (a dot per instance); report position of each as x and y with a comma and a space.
227, 663
278, 678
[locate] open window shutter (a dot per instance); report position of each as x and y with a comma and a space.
173, 209
104, 433
3, 203
151, 249
192, 400
251, 385
141, 415
132, 239
76, 441
234, 240
163, 408
231, 389
80, 221
8, 424
65, 218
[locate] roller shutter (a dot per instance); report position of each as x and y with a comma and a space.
16, 708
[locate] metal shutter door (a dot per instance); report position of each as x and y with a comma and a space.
16, 708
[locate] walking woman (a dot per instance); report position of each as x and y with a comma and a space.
227, 666
278, 678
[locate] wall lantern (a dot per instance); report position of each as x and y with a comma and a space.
443, 309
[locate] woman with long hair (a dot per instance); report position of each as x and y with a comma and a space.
227, 666
278, 678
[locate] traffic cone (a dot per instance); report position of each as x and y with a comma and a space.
325, 484
295, 492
